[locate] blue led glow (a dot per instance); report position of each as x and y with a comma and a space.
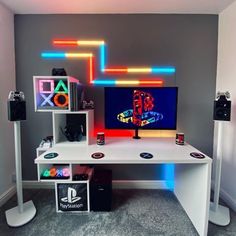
163, 70
169, 175
104, 82
102, 57
53, 55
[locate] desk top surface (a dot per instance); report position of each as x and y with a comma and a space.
124, 151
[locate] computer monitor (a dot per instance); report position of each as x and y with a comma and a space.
141, 108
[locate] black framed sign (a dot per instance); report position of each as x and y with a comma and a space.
72, 196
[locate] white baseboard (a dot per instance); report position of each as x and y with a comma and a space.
34, 184
139, 184
226, 197
116, 184
7, 195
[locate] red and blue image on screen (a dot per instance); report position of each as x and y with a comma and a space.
141, 107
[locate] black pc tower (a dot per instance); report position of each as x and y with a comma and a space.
101, 190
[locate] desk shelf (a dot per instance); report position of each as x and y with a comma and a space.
83, 119
46, 168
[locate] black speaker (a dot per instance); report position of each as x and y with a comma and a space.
16, 106
222, 109
101, 190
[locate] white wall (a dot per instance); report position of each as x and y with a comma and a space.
7, 83
226, 81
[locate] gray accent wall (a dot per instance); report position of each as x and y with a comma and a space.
188, 42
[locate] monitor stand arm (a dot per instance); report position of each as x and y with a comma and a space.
136, 134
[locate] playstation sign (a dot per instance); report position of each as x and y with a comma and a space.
72, 196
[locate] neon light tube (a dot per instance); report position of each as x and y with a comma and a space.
56, 55
151, 82
103, 60
104, 82
161, 70
127, 82
139, 70
116, 70
78, 55
102, 57
62, 42
53, 55
90, 42
91, 69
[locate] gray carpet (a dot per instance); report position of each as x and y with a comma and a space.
134, 213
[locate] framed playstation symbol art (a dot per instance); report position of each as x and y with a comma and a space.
72, 196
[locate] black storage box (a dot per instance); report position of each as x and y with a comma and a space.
101, 190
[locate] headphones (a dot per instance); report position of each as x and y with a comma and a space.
73, 132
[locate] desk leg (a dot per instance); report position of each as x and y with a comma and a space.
192, 189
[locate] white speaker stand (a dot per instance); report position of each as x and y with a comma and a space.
24, 212
218, 214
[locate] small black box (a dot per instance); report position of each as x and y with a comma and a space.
222, 110
101, 190
16, 110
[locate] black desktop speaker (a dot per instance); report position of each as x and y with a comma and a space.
101, 190
222, 109
16, 106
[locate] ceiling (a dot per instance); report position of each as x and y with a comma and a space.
116, 6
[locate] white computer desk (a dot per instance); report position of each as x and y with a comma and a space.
192, 177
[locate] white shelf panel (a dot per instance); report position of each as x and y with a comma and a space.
60, 121
55, 180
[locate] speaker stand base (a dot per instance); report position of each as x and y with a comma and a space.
219, 217
16, 219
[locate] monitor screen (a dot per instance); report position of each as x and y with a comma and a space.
141, 107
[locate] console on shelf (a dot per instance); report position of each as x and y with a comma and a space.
41, 150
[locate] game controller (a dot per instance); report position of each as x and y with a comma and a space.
88, 105
16, 96
80, 177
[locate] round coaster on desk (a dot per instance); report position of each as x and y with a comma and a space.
97, 155
197, 155
146, 155
51, 155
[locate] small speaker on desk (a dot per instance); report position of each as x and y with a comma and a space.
101, 190
222, 108
16, 106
